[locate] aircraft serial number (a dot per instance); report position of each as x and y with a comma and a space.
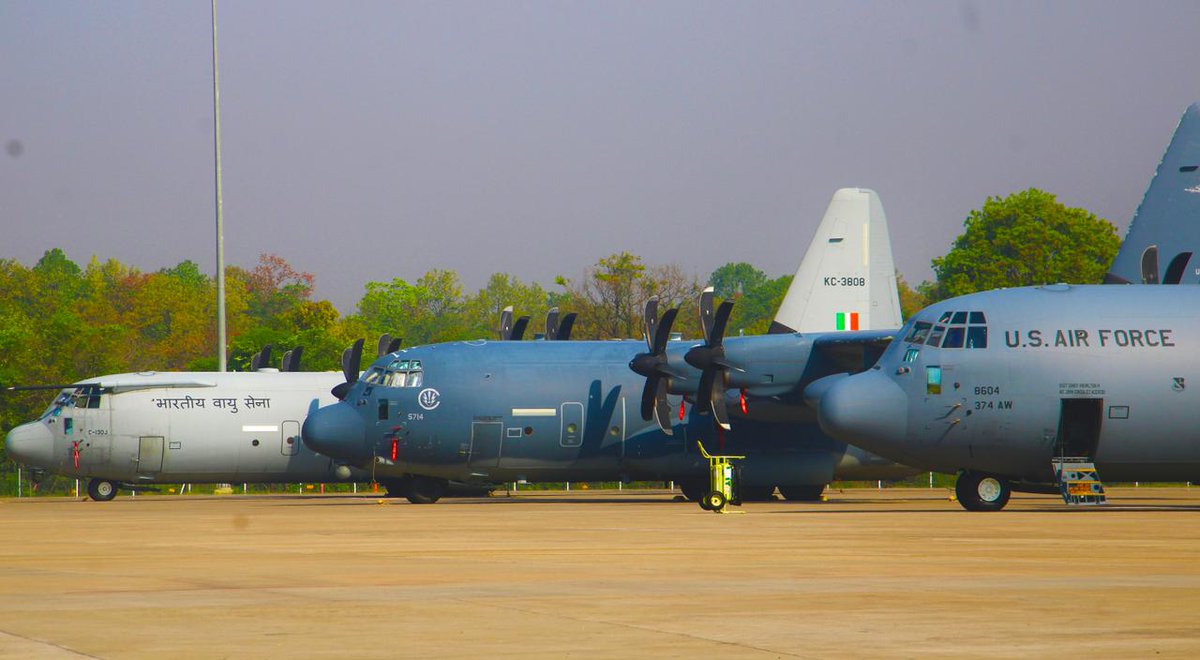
987, 390
845, 281
416, 417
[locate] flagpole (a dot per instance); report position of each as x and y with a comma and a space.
220, 220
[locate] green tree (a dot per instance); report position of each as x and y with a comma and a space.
482, 311
1024, 239
735, 278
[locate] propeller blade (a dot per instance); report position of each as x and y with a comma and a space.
662, 408
552, 324
659, 347
395, 345
262, 360
564, 327
381, 349
518, 329
285, 361
716, 401
717, 332
651, 321
294, 364
506, 321
351, 360
648, 398
706, 313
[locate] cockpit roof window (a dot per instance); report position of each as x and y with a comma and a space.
959, 318
977, 318
945, 317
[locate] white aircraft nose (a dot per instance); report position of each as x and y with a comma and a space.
30, 444
868, 410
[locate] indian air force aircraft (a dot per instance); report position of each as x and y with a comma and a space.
492, 412
133, 430
1050, 388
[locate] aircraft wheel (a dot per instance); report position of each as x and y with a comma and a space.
756, 493
426, 490
397, 487
694, 491
977, 491
102, 490
802, 493
714, 501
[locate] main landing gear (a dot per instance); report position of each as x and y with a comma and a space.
977, 491
102, 490
417, 489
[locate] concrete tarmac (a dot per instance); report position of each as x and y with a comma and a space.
599, 574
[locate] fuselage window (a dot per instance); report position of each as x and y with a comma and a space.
919, 332
954, 337
977, 336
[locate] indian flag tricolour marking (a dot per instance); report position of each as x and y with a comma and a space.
845, 319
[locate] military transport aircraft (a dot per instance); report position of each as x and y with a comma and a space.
491, 412
133, 430
1048, 388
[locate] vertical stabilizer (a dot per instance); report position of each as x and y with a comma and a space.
1165, 230
847, 280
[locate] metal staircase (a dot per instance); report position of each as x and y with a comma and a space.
1078, 481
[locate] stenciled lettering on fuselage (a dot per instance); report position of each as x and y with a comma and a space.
229, 404
836, 280
1100, 338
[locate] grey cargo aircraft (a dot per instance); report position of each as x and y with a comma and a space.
491, 412
1047, 388
134, 430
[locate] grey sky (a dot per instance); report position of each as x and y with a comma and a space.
370, 140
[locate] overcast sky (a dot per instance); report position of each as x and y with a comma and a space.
371, 140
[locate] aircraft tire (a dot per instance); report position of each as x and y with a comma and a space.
977, 491
694, 491
397, 487
714, 501
802, 492
102, 490
426, 490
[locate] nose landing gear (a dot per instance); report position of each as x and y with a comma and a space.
102, 490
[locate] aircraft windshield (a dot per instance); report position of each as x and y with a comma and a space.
398, 373
955, 330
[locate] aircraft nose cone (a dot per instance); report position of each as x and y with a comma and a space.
868, 410
30, 444
336, 431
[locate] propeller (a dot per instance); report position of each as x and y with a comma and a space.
709, 357
518, 328
291, 360
351, 359
395, 345
261, 359
556, 329
381, 349
506, 323
653, 365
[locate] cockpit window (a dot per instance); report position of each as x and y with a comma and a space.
959, 318
401, 373
977, 336
945, 317
977, 318
373, 376
919, 332
935, 337
955, 336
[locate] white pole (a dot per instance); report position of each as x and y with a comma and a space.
76, 488
931, 478
568, 486
220, 220
245, 487
18, 480
355, 488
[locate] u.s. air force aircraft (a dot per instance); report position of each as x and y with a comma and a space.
491, 412
131, 430
1049, 388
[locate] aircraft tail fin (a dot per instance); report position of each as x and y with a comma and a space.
1165, 230
847, 280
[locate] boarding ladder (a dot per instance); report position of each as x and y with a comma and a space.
1078, 481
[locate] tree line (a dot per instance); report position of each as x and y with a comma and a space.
61, 322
